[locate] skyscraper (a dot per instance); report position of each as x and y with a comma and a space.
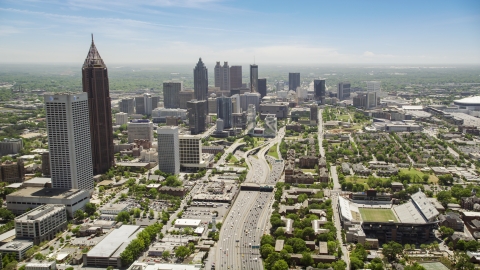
200, 82
224, 111
222, 76
196, 113
168, 150
343, 90
95, 84
373, 86
253, 78
139, 105
262, 87
217, 74
69, 142
319, 90
147, 101
235, 77
293, 81
171, 91
127, 105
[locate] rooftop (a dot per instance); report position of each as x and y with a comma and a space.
468, 101
58, 193
114, 241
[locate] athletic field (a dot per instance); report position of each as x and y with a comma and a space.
377, 215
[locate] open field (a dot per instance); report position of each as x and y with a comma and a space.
377, 215
273, 151
414, 173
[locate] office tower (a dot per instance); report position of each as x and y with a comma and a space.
10, 146
121, 118
191, 151
293, 81
196, 113
365, 100
217, 75
95, 84
319, 90
127, 105
236, 104
140, 129
253, 78
343, 90
251, 119
225, 77
69, 142
373, 86
168, 150
249, 98
140, 105
155, 101
147, 103
262, 87
212, 105
235, 77
171, 91
280, 86
200, 82
224, 111
184, 97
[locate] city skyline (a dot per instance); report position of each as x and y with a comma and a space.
166, 32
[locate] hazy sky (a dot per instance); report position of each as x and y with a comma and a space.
295, 32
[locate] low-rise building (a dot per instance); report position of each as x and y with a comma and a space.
30, 197
41, 223
184, 223
451, 220
113, 209
12, 172
17, 247
41, 266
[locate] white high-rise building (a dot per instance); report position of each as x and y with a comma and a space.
121, 118
251, 119
69, 143
147, 101
191, 151
168, 150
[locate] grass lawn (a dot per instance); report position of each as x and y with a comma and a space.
308, 170
413, 172
377, 215
344, 117
273, 151
358, 181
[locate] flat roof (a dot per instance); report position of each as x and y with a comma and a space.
188, 222
408, 213
7, 235
468, 101
114, 206
17, 245
132, 164
39, 180
15, 185
345, 208
112, 242
58, 193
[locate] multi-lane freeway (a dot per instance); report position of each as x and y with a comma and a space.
242, 229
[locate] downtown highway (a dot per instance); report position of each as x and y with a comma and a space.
242, 229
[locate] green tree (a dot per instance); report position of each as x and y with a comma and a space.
391, 250
266, 250
123, 216
306, 259
182, 252
445, 231
90, 208
280, 265
6, 214
267, 239
79, 214
166, 254
302, 197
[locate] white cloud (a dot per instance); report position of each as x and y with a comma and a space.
368, 54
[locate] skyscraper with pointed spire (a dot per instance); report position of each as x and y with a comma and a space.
95, 84
200, 82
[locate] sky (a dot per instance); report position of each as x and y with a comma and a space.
240, 32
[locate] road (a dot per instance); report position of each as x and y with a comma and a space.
320, 133
248, 218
